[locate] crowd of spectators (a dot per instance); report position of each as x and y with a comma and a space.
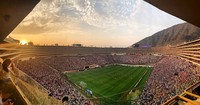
48, 71
52, 80
64, 63
170, 76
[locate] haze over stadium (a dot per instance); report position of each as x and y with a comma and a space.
102, 23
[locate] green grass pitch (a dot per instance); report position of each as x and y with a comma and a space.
112, 84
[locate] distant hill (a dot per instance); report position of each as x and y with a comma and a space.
171, 36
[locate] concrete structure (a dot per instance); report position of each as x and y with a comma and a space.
187, 10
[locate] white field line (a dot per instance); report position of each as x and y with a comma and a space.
126, 90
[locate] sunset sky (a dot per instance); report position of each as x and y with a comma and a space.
117, 23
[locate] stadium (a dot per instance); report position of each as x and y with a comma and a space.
140, 74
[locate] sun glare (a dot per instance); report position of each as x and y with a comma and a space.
23, 42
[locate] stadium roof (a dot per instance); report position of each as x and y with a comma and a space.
188, 10
12, 12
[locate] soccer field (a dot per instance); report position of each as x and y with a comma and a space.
111, 84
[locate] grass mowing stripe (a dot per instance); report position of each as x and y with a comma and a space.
113, 81
135, 81
111, 77
94, 74
121, 82
101, 81
140, 85
106, 83
123, 97
110, 82
109, 92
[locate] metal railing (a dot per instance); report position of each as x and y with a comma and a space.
32, 92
